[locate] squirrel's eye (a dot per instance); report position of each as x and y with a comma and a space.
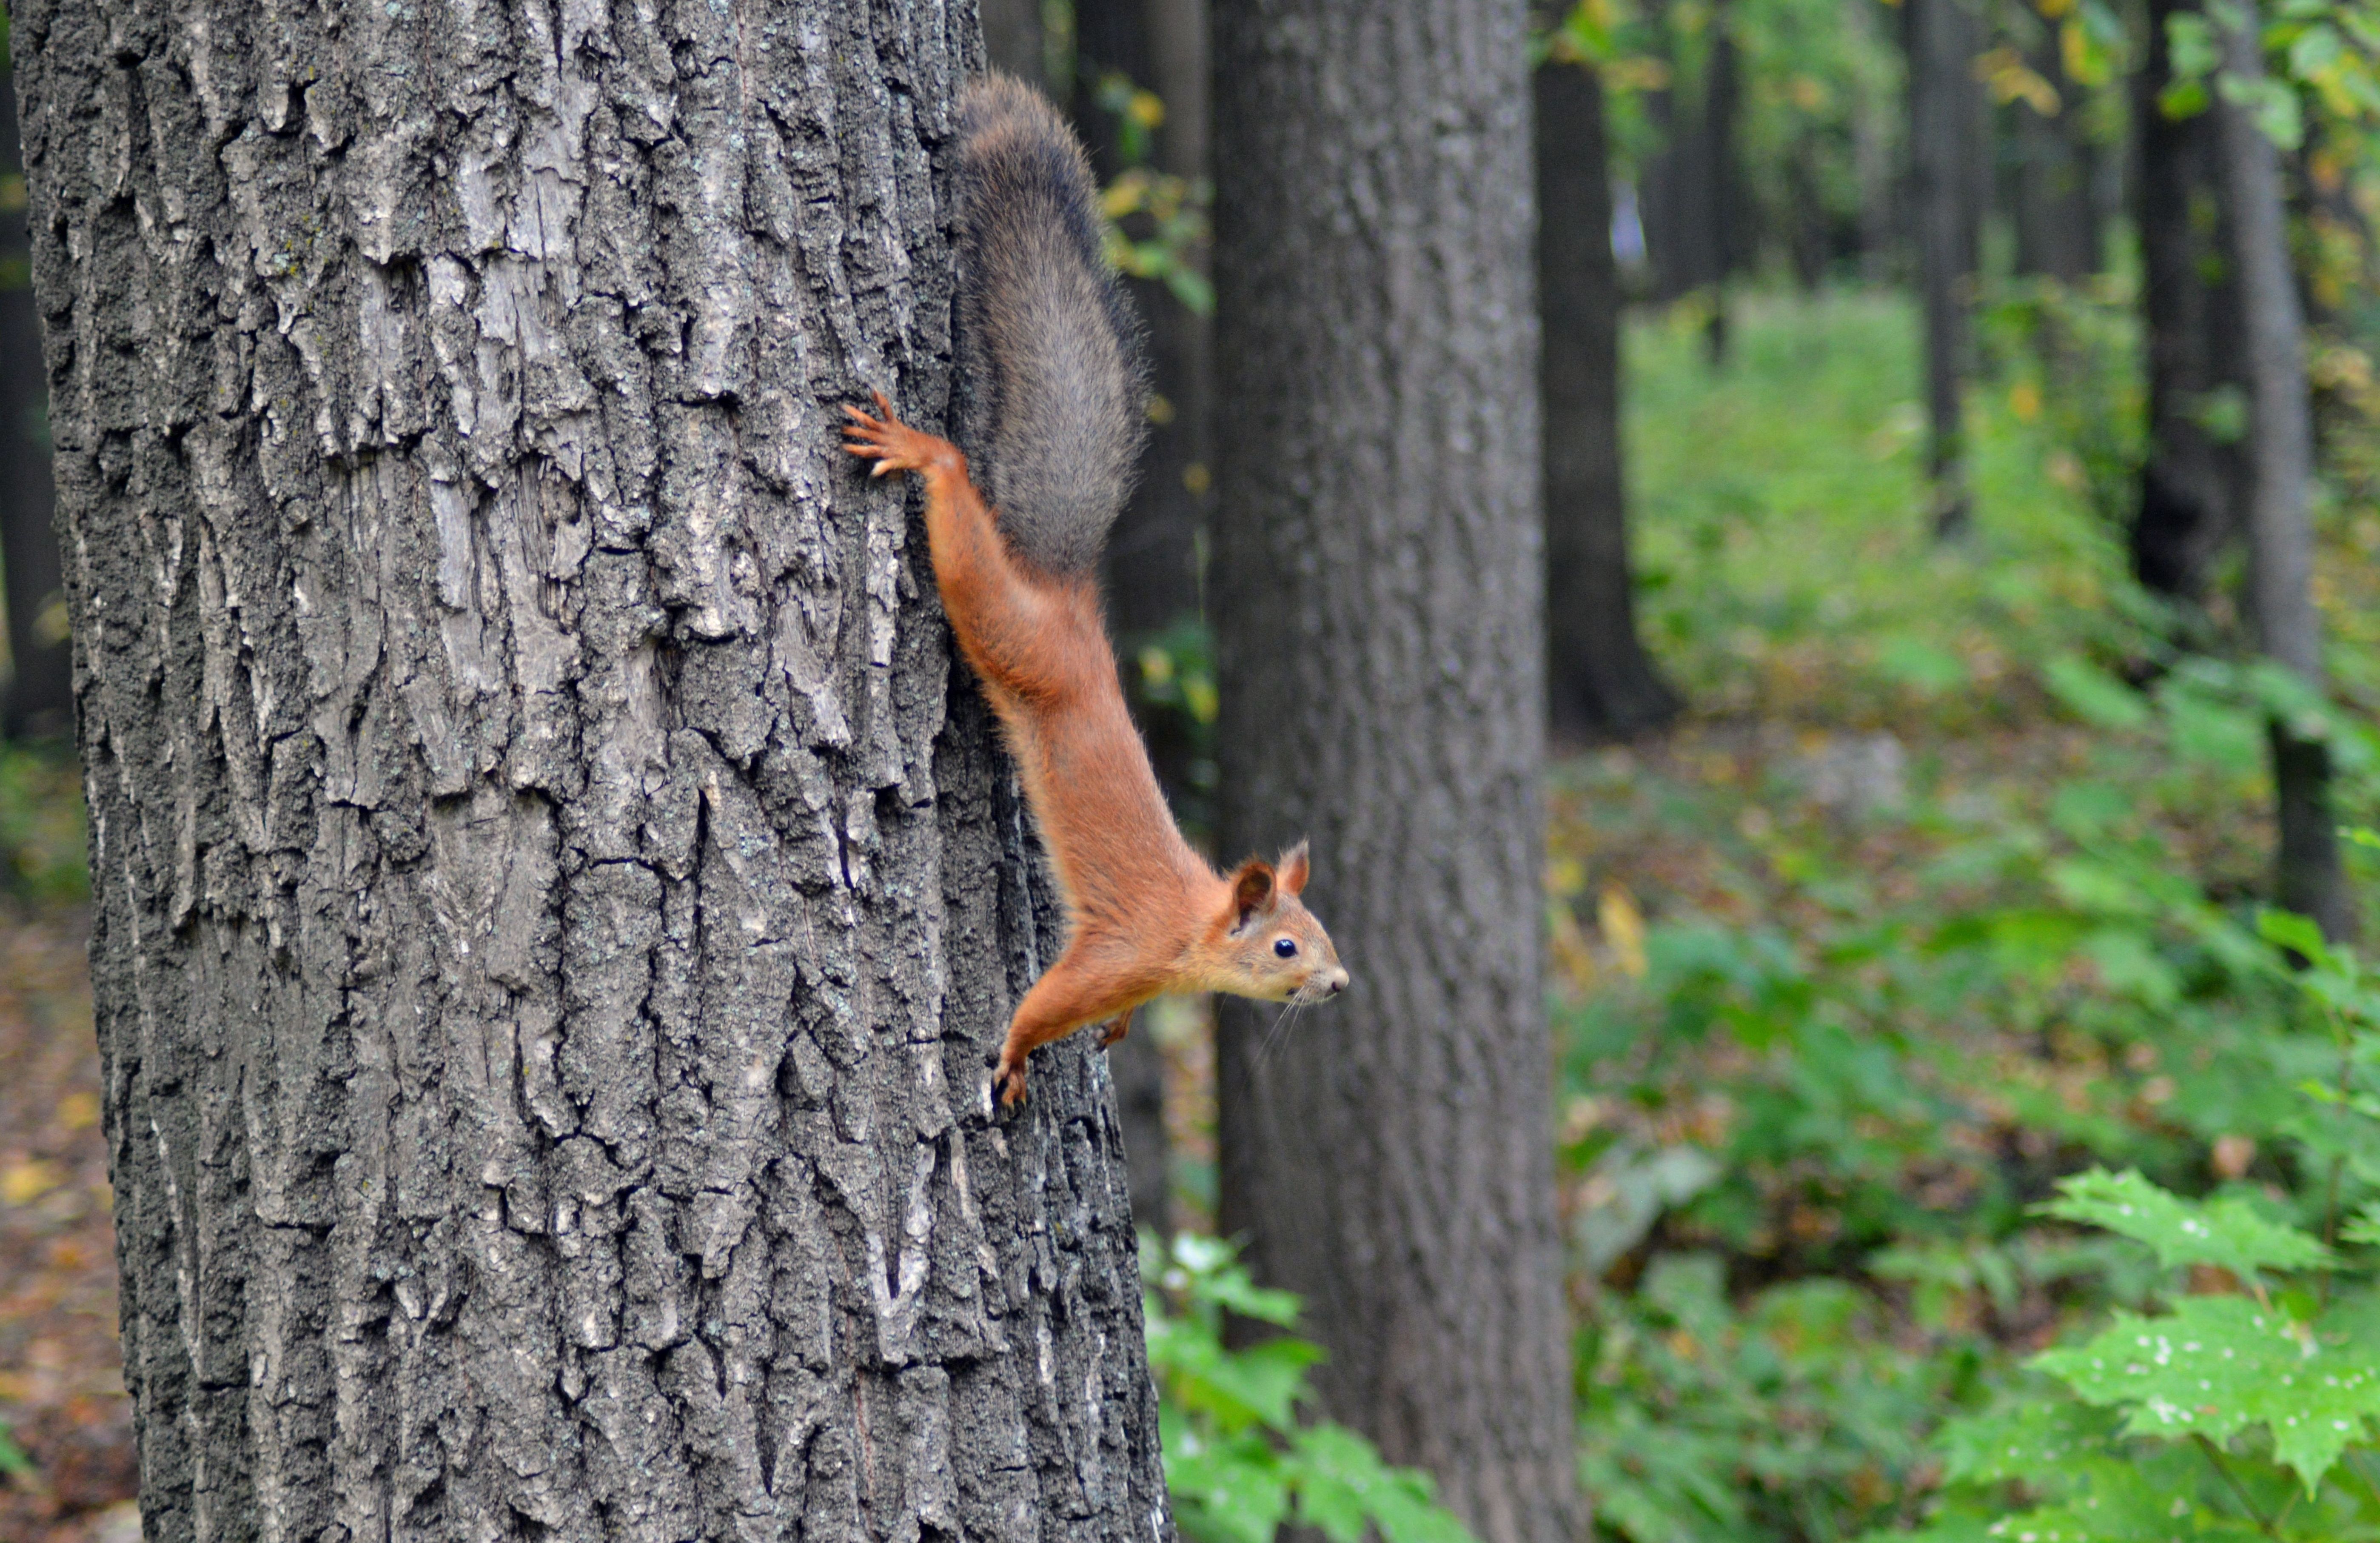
1285, 947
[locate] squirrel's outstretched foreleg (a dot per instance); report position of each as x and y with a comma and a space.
1076, 991
1001, 613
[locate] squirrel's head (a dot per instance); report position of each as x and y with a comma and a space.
1267, 944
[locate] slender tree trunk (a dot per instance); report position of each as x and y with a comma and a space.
1012, 39
2279, 523
1601, 685
1882, 201
2057, 225
2193, 481
1728, 236
38, 698
1689, 187
1377, 620
554, 896
1946, 139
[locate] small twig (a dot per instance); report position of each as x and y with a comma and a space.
2215, 1456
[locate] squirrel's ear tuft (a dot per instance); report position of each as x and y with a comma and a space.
1295, 869
1252, 885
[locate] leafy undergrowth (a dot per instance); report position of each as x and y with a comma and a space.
1948, 894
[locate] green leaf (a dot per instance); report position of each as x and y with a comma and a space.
1913, 662
1226, 1492
2271, 104
2183, 99
2191, 46
1193, 289
2023, 1439
1207, 1270
1235, 1389
14, 1463
2299, 934
2094, 696
2219, 1365
1342, 1484
2223, 1232
2315, 50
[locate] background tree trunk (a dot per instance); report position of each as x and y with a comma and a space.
552, 895
1948, 188
2193, 483
38, 698
1601, 684
1012, 39
1152, 556
1152, 563
1377, 604
1690, 186
2280, 527
2057, 225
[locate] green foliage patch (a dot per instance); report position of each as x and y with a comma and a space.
1240, 1461
1925, 1040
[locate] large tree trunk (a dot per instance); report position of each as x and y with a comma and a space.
1377, 604
37, 697
2193, 481
1948, 187
553, 895
2279, 523
1601, 683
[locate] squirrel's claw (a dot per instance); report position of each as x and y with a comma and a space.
1011, 1083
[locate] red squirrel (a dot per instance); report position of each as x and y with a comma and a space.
1147, 915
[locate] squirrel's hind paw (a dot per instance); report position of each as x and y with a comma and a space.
1009, 1081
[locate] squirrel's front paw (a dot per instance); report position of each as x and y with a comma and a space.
890, 444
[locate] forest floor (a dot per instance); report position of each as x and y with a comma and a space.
68, 1471
1913, 915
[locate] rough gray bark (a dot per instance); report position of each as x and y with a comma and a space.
554, 896
1377, 605
2193, 481
1948, 187
2279, 523
1601, 683
38, 698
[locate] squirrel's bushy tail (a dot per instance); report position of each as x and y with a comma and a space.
1041, 306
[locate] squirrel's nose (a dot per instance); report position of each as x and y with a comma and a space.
1338, 981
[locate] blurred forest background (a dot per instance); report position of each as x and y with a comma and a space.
1970, 741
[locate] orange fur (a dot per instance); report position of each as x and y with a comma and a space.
1149, 916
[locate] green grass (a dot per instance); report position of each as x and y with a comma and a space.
1782, 531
